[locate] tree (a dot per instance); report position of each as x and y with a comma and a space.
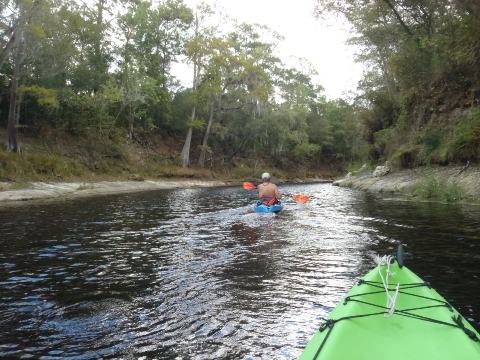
91, 28
25, 17
152, 39
14, 108
20, 16
195, 51
416, 48
95, 68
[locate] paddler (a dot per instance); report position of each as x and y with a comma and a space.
268, 192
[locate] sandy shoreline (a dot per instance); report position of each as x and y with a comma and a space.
58, 191
63, 191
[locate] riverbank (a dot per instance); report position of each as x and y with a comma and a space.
56, 157
19, 193
446, 184
71, 190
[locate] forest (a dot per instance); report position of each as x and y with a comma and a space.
419, 100
98, 75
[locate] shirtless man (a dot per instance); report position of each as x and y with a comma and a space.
268, 192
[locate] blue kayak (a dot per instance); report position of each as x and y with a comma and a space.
262, 208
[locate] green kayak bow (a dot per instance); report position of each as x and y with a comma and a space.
392, 314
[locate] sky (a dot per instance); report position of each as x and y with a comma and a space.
323, 43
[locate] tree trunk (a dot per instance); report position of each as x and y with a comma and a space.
399, 18
17, 111
186, 148
131, 118
188, 140
14, 108
98, 44
203, 151
388, 79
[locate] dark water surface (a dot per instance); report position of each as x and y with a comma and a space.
188, 274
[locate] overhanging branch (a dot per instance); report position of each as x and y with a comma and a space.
399, 18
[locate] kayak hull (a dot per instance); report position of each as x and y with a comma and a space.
422, 326
262, 208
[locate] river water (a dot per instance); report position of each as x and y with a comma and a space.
195, 274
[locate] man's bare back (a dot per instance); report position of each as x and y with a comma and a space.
268, 190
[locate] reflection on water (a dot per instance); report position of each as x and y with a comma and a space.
196, 274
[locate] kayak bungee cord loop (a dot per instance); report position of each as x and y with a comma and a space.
391, 300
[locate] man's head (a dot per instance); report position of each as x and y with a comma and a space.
266, 177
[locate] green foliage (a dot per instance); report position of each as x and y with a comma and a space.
37, 166
103, 70
405, 157
83, 113
305, 151
433, 188
451, 141
45, 97
413, 64
197, 124
383, 140
432, 146
100, 72
424, 58
465, 142
432, 141
377, 121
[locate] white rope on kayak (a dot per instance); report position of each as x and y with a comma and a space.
391, 300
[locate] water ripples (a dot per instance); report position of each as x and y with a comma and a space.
196, 274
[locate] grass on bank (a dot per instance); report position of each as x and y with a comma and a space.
34, 166
434, 188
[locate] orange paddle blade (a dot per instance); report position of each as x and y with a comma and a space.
301, 198
249, 186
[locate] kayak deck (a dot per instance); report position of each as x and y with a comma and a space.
262, 208
423, 326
